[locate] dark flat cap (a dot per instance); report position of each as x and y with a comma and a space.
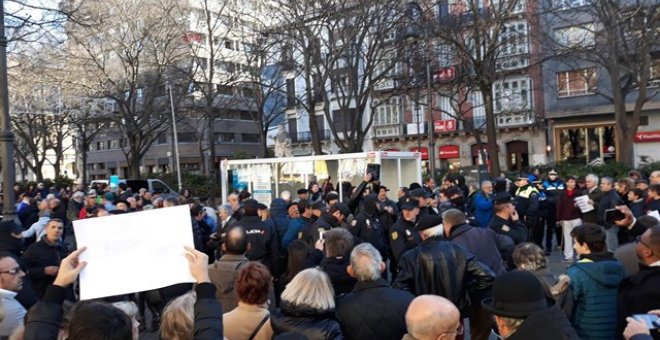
429, 221
331, 196
320, 205
302, 191
452, 191
342, 207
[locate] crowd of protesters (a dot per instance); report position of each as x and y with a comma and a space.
435, 262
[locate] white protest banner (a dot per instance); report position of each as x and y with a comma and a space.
134, 252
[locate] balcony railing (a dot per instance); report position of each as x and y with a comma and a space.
387, 130
306, 136
514, 119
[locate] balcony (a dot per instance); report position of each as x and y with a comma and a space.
385, 84
306, 136
387, 130
514, 119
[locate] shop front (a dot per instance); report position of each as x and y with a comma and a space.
586, 143
449, 156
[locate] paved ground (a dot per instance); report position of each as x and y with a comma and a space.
555, 265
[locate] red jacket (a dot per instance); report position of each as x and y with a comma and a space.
566, 209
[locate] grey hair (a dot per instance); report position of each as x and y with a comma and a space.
511, 323
226, 208
591, 177
285, 195
453, 217
366, 260
607, 179
485, 183
310, 288
434, 231
529, 256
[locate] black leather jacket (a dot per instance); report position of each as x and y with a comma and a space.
442, 268
314, 324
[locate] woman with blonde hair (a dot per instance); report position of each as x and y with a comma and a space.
308, 307
178, 318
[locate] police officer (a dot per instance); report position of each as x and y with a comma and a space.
330, 219
261, 236
366, 225
527, 203
554, 188
505, 219
421, 195
403, 235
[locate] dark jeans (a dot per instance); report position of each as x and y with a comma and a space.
543, 228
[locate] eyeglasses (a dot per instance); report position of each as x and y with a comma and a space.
639, 240
13, 271
459, 330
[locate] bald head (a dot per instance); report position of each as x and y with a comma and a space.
432, 317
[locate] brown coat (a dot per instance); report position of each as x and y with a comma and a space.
241, 322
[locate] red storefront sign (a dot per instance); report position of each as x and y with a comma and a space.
647, 137
444, 125
448, 152
445, 74
423, 150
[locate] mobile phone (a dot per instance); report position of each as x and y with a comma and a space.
652, 321
321, 233
613, 215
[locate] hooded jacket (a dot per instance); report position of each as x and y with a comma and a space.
280, 217
312, 323
594, 283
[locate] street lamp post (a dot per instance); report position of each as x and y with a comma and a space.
6, 136
176, 139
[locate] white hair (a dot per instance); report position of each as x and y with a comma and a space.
226, 208
486, 183
366, 260
591, 177
310, 288
285, 195
433, 231
128, 307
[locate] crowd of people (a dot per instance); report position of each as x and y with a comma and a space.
434, 263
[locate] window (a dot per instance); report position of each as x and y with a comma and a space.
446, 107
465, 6
508, 7
250, 138
202, 63
576, 82
478, 109
225, 90
224, 137
388, 112
581, 35
246, 116
418, 109
100, 146
567, 4
513, 45
186, 137
446, 55
654, 76
230, 44
512, 95
101, 166
162, 139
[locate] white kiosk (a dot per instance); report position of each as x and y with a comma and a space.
266, 178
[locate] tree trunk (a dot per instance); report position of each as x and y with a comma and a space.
213, 171
83, 159
133, 160
491, 130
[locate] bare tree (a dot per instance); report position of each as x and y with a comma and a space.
127, 56
618, 42
340, 50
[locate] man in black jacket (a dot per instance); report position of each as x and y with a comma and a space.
609, 201
366, 225
329, 220
639, 293
372, 310
440, 267
403, 235
506, 220
523, 311
261, 236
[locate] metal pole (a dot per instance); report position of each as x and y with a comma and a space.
429, 101
176, 139
6, 136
